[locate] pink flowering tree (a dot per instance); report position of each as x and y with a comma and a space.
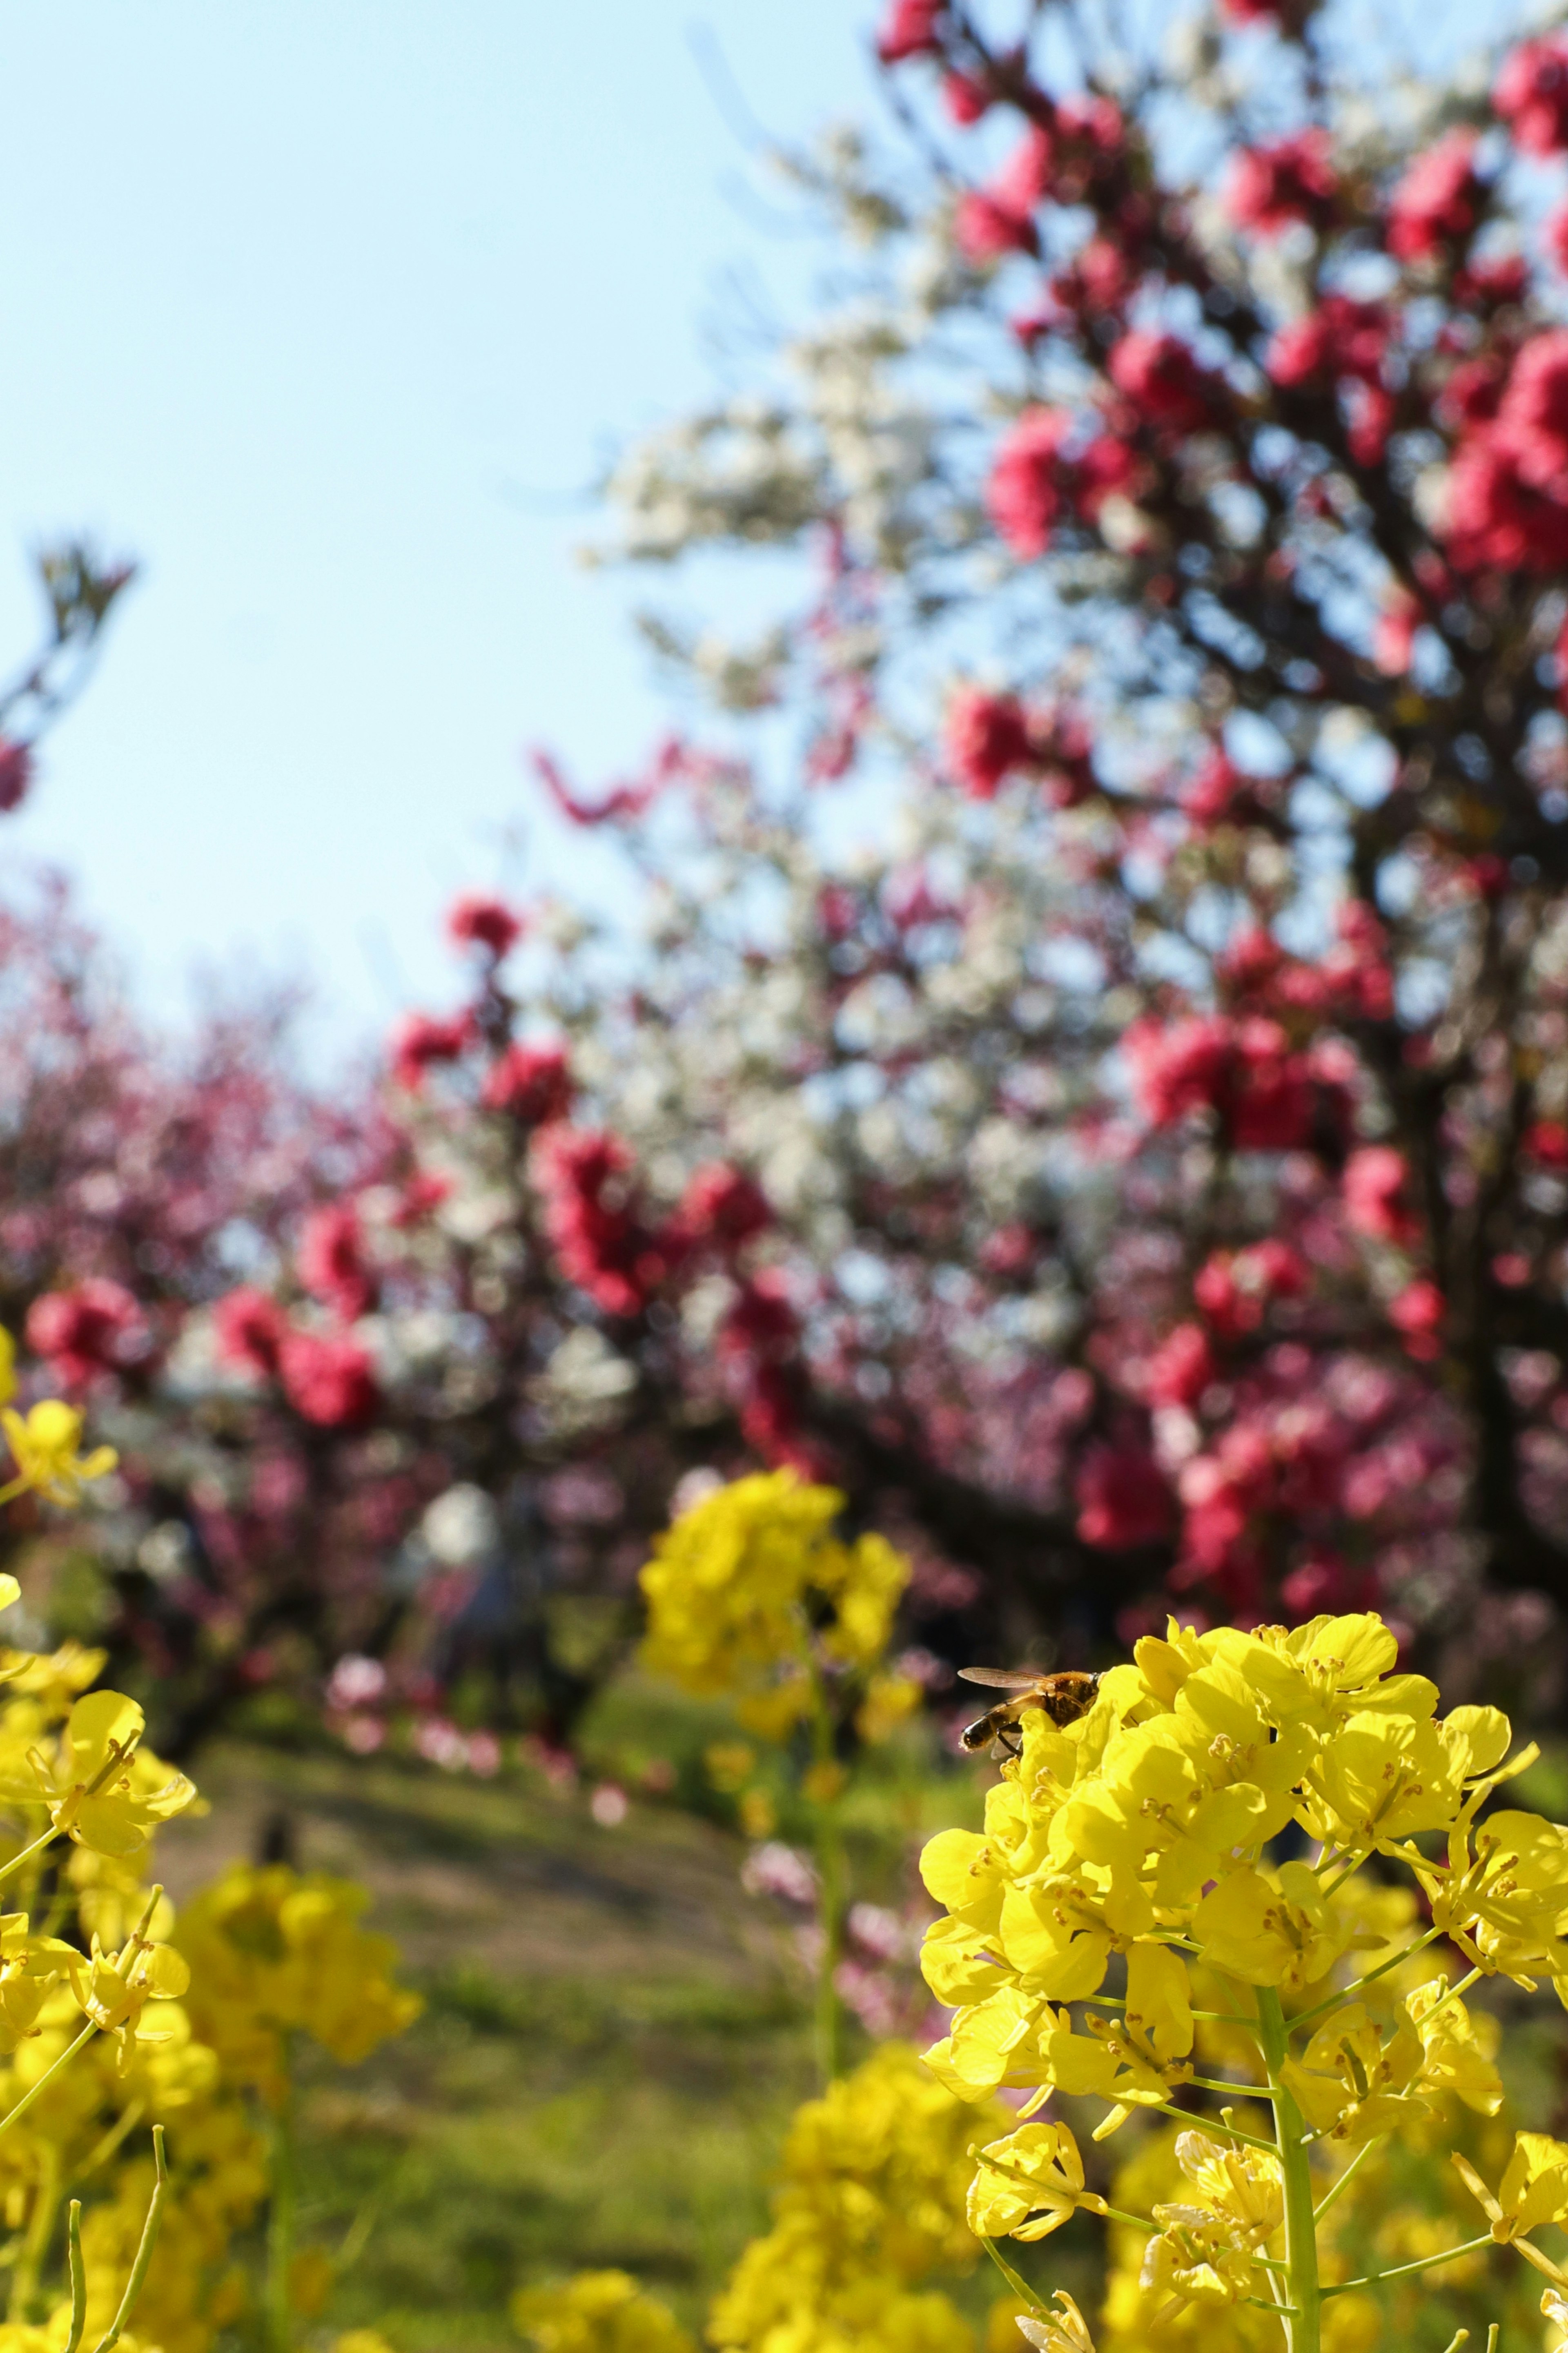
1138, 1171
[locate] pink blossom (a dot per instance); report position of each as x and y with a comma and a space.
999, 217
965, 99
1373, 1183
724, 1208
478, 920
420, 1041
591, 1219
15, 773
250, 1327
1035, 485
328, 1379
1181, 1368
1417, 1312
908, 29
1122, 1499
532, 1084
1340, 338
96, 1327
1531, 94
1159, 374
987, 738
1433, 205
331, 1261
1270, 187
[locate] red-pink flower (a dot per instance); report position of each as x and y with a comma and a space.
1417, 1313
420, 1041
1122, 1499
965, 99
490, 924
1433, 206
531, 1083
1181, 1368
1374, 1184
1268, 188
987, 739
1035, 485
591, 1220
1531, 94
1341, 338
328, 1378
1000, 217
1159, 374
908, 29
15, 773
1235, 1289
724, 1207
331, 1260
250, 1328
95, 1327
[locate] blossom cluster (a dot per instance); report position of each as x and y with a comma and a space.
1144, 1847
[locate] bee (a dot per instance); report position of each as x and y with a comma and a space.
1064, 1697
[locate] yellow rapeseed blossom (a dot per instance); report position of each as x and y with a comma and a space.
273, 1953
101, 1789
597, 2312
750, 1595
874, 2178
1123, 1926
46, 1447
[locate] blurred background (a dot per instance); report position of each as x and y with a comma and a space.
785, 746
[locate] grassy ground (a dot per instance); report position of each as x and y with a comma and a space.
615, 2036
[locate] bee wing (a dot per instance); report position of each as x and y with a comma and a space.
1002, 1678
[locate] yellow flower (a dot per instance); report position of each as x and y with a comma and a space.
728, 1763
759, 1815
7, 1367
1271, 1929
113, 1989
750, 1594
1062, 2331
273, 1952
889, 1700
598, 2312
46, 1450
1533, 2190
100, 1786
1029, 2184
30, 1968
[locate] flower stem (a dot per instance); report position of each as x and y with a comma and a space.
1343, 2183
1404, 2271
827, 1837
1018, 2287
47, 2077
1301, 2328
143, 2253
281, 2214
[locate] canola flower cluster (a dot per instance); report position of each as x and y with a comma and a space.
118, 2024
751, 1596
1162, 1902
870, 2201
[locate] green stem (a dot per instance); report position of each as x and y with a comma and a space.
280, 2213
828, 1839
40, 2225
79, 2275
47, 2077
1301, 2328
143, 2253
1337, 2188
1212, 2124
1338, 2000
1424, 2263
1018, 2287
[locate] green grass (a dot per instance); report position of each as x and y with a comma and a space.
615, 2035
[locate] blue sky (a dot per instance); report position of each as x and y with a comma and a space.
325, 309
